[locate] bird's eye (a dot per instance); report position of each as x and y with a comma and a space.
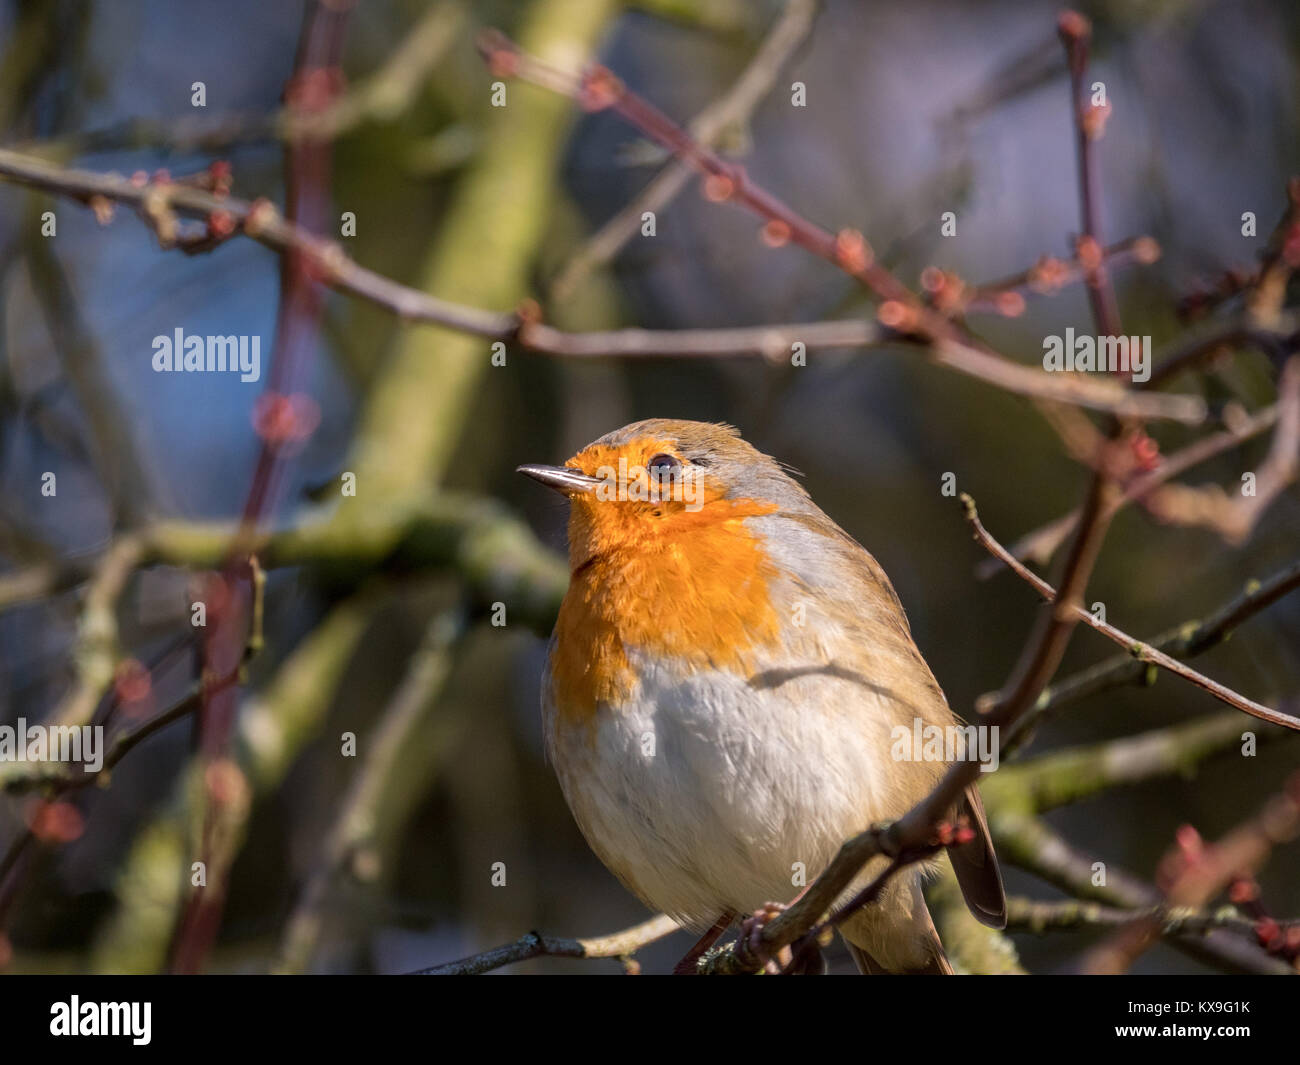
663, 467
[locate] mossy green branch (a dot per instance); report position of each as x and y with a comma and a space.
272, 730
1040, 784
494, 554
482, 256
974, 949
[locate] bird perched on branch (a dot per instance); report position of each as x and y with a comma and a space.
725, 685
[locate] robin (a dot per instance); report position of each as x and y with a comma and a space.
726, 686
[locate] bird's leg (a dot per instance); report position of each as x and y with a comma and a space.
690, 963
751, 929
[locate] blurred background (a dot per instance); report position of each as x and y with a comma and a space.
912, 110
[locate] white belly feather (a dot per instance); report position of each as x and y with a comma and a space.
680, 799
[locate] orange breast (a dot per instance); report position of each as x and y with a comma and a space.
691, 588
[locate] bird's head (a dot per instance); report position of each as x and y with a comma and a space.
649, 485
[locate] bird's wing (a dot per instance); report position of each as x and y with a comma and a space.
976, 866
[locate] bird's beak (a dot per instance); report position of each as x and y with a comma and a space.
564, 480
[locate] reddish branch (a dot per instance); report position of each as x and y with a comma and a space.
331, 266
282, 420
901, 313
1194, 873
900, 310
1050, 274
910, 837
1089, 124
1234, 516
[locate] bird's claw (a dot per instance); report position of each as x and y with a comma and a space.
751, 931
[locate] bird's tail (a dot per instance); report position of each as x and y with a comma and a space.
868, 966
898, 936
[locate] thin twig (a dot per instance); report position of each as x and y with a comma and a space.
1041, 544
1195, 874
332, 267
357, 819
732, 109
1034, 915
534, 945
1049, 274
900, 310
1029, 843
1140, 651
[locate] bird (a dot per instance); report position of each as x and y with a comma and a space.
727, 677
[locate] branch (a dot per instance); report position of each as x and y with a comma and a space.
331, 266
1028, 843
1049, 274
621, 945
1041, 544
1142, 652
1033, 915
360, 813
388, 92
221, 803
733, 109
900, 311
1063, 777
1196, 873
1089, 124
262, 222
1208, 342
97, 654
